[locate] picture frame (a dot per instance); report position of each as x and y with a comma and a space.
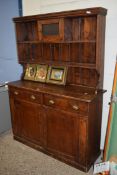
41, 73
57, 75
30, 72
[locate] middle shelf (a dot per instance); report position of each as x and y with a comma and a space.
80, 53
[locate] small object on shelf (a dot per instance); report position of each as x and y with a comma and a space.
57, 75
41, 73
30, 72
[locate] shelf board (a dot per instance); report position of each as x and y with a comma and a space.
78, 41
27, 42
69, 64
56, 42
82, 65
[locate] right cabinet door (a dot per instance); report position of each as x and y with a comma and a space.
66, 135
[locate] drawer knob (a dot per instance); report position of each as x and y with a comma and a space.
51, 102
16, 93
75, 107
33, 97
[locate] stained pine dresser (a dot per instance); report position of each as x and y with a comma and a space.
61, 121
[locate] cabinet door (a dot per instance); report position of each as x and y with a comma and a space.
66, 135
51, 29
62, 133
27, 120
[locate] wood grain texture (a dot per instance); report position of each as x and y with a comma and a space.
58, 128
79, 42
61, 121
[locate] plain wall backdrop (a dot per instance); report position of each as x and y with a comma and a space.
32, 7
9, 68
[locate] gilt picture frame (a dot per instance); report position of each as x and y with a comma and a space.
57, 75
41, 73
30, 72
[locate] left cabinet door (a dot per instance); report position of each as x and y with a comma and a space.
27, 120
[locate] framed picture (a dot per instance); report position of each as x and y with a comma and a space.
41, 73
57, 75
30, 72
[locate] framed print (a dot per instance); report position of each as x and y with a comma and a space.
41, 73
30, 72
57, 75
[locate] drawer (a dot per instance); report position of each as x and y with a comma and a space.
66, 104
25, 95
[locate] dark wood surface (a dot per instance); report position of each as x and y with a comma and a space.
74, 92
61, 121
73, 13
78, 43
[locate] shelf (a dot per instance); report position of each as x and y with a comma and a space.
68, 64
56, 42
82, 65
79, 41
28, 42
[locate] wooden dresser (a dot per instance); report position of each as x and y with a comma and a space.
61, 121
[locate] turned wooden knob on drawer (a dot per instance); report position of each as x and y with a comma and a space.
75, 107
32, 97
51, 102
16, 93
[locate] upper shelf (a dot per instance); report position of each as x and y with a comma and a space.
60, 30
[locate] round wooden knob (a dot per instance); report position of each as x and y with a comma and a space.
33, 97
75, 107
16, 93
51, 102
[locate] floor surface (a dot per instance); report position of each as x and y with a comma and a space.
19, 159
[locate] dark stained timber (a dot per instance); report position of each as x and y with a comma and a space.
61, 121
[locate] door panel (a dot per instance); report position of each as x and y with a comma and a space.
83, 130
28, 120
62, 133
51, 29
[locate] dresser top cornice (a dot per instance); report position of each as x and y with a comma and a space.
70, 13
